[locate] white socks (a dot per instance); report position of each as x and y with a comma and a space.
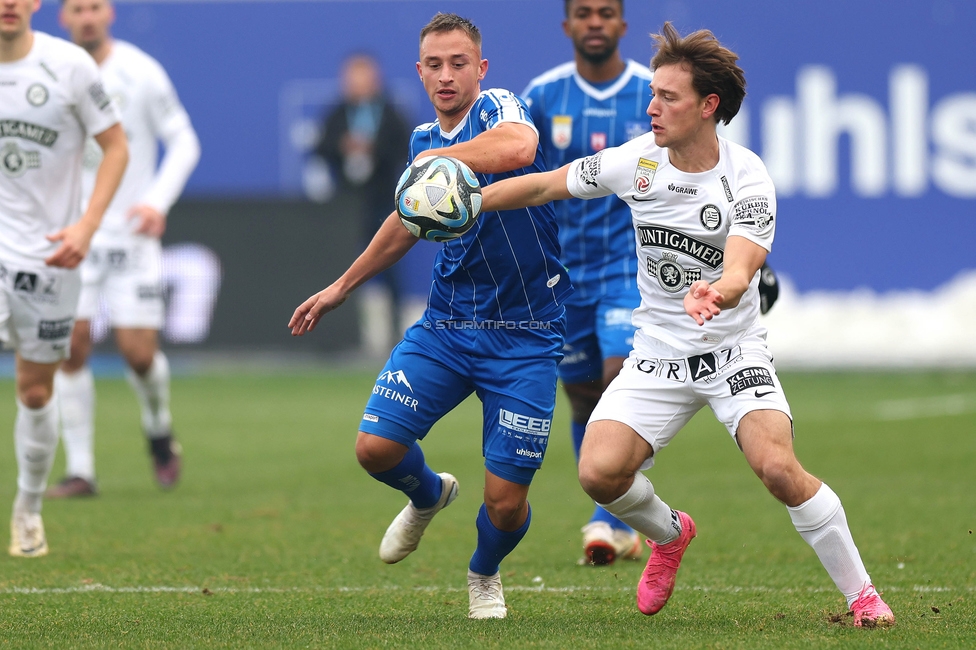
643, 511
152, 391
823, 525
76, 398
35, 440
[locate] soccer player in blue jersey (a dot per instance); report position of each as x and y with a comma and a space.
596, 101
494, 322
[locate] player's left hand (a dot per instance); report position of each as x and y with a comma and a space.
75, 240
152, 222
702, 300
310, 312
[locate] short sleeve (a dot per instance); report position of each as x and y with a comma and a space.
95, 109
602, 174
753, 214
498, 105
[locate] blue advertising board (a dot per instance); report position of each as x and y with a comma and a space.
864, 110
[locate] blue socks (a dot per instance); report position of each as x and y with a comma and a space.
413, 478
577, 429
599, 514
494, 544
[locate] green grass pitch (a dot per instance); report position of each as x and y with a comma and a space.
271, 538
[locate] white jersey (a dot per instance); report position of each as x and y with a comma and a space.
151, 111
49, 102
682, 222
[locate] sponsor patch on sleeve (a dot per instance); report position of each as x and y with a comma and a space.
99, 96
589, 169
755, 213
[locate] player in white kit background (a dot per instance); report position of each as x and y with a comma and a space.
124, 266
704, 211
51, 100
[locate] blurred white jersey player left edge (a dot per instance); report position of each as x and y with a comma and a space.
123, 272
51, 99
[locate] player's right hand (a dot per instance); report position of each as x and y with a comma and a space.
702, 301
74, 240
310, 312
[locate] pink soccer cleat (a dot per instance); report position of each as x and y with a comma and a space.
870, 611
657, 582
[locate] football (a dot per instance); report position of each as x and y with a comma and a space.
438, 198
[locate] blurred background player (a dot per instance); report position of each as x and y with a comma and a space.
581, 107
596, 101
51, 99
124, 266
705, 211
364, 141
504, 270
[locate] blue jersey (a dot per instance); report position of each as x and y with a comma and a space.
577, 119
506, 268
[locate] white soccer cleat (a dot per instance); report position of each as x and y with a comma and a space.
628, 544
485, 597
27, 535
599, 548
403, 535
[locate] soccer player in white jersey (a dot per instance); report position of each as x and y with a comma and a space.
704, 210
124, 266
51, 99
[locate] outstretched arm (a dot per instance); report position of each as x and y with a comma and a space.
507, 147
391, 242
742, 259
523, 191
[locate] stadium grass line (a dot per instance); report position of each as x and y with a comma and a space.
164, 589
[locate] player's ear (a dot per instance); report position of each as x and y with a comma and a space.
419, 72
710, 106
482, 69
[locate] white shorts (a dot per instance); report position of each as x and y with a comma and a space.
37, 310
657, 395
127, 275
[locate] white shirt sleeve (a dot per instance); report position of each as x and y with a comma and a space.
181, 145
753, 214
597, 175
95, 109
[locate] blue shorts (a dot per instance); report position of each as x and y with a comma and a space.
597, 330
513, 373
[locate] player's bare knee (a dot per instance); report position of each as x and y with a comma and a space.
35, 396
597, 483
376, 454
783, 477
140, 361
506, 511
